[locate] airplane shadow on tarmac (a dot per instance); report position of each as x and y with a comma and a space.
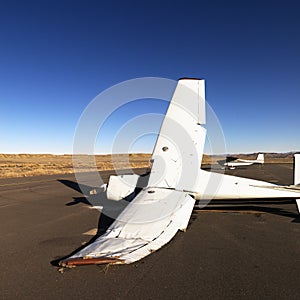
255, 205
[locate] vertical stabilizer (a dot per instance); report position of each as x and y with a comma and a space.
177, 155
260, 158
297, 169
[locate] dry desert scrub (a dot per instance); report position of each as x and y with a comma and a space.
22, 165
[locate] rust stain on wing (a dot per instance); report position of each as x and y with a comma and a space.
80, 261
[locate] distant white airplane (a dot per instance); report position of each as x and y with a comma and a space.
164, 205
238, 162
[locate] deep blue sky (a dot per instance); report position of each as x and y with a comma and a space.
56, 56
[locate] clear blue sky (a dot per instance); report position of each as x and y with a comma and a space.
56, 56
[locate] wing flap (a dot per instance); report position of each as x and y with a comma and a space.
150, 221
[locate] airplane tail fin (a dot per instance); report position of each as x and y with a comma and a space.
260, 158
180, 143
296, 169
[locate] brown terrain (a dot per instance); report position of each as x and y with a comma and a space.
23, 165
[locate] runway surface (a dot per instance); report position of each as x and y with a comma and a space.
251, 251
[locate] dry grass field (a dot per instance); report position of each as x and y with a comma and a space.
22, 165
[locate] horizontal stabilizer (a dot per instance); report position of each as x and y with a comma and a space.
119, 187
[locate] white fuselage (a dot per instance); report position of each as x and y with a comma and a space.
211, 185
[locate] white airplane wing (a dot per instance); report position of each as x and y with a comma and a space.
150, 221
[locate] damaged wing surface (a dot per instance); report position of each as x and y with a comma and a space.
149, 222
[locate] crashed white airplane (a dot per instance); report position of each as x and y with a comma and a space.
245, 162
164, 206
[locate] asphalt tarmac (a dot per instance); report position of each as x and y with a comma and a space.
248, 251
